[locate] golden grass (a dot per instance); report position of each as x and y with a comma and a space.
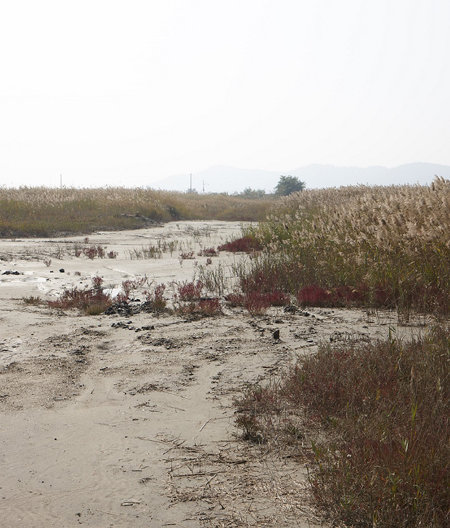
389, 241
40, 211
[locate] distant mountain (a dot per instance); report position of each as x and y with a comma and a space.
231, 179
318, 176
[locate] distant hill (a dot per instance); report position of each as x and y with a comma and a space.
231, 179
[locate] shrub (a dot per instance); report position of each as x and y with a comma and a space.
203, 308
256, 302
92, 301
31, 300
235, 299
382, 457
189, 291
156, 298
187, 255
208, 252
245, 244
130, 285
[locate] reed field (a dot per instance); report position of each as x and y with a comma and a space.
359, 246
42, 212
371, 418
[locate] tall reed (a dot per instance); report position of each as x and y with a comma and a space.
389, 245
39, 211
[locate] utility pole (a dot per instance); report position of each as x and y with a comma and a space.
203, 186
60, 181
190, 182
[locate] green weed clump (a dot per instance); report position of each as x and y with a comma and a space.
40, 211
353, 246
385, 409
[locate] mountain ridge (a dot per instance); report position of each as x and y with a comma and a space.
228, 179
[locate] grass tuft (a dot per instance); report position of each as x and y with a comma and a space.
91, 301
384, 458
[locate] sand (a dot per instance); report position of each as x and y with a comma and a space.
120, 426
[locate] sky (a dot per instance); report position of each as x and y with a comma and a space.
129, 92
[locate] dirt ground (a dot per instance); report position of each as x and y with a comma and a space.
132, 425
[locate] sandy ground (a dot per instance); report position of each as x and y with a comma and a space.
132, 425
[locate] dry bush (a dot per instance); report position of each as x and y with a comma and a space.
385, 407
200, 308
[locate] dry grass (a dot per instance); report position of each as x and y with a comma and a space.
385, 406
378, 412
40, 211
382, 246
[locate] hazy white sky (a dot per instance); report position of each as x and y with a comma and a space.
128, 92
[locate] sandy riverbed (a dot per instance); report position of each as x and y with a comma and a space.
108, 426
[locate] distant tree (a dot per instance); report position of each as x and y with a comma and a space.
253, 193
288, 185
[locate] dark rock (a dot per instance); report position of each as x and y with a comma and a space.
290, 309
9, 272
62, 270
120, 324
146, 307
119, 308
276, 335
78, 351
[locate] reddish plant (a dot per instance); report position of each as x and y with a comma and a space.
277, 298
130, 285
208, 252
92, 300
204, 307
97, 283
156, 298
314, 295
246, 244
235, 299
260, 280
187, 255
258, 302
189, 291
